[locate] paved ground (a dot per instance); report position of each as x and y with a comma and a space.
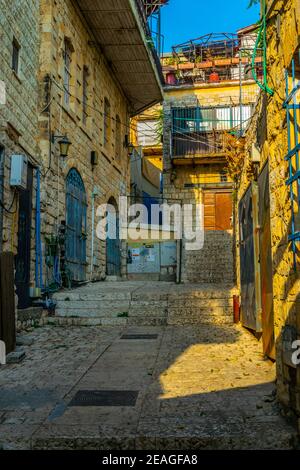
198, 387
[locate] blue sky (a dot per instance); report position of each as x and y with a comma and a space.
188, 19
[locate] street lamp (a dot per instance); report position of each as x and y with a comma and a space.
64, 144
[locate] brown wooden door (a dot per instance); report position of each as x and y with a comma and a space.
217, 210
266, 264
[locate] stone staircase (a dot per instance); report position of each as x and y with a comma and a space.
144, 303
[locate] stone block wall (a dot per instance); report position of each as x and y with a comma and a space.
213, 263
19, 21
268, 129
110, 178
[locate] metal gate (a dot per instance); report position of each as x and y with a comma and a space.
76, 206
266, 264
250, 288
113, 246
22, 259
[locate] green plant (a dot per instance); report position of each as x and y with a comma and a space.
253, 2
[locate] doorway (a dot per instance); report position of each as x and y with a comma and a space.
266, 264
22, 259
76, 208
113, 245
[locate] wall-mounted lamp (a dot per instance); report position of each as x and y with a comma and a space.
64, 144
130, 148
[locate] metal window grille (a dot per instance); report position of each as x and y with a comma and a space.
106, 123
15, 56
67, 71
118, 138
292, 106
85, 95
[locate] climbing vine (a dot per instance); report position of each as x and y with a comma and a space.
235, 155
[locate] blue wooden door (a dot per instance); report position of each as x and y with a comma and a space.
113, 247
76, 205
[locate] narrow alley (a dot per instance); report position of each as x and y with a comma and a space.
149, 227
195, 387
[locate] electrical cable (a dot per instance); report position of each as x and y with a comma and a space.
9, 211
262, 33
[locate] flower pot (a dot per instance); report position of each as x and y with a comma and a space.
186, 66
171, 78
214, 77
223, 62
204, 65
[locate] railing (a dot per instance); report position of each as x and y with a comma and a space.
209, 72
198, 144
144, 19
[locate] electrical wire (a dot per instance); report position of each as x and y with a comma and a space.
127, 126
9, 211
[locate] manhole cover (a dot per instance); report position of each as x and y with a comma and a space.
139, 337
104, 398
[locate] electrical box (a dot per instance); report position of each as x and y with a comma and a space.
18, 171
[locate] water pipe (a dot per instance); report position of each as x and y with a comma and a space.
95, 193
262, 33
38, 242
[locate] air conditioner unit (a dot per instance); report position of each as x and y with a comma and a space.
18, 171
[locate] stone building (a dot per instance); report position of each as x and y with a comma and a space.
209, 95
74, 80
19, 63
268, 202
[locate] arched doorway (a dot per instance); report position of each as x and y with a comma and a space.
113, 246
76, 204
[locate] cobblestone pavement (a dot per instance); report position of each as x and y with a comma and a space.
199, 387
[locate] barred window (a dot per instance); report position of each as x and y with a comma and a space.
118, 138
67, 70
106, 122
85, 76
15, 56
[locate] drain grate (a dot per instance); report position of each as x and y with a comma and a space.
104, 398
139, 337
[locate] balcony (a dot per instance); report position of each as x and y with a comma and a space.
212, 59
121, 31
199, 146
198, 133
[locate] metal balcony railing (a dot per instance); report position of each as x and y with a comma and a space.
199, 144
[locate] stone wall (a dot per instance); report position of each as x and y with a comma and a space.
18, 117
268, 130
214, 263
110, 178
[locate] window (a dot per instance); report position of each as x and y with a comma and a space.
67, 70
15, 56
85, 76
118, 138
106, 122
148, 132
223, 176
190, 120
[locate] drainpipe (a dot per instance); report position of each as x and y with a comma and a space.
38, 241
1, 193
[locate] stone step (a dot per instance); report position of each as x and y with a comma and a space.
92, 296
86, 321
196, 319
147, 304
111, 312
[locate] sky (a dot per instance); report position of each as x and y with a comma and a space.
188, 19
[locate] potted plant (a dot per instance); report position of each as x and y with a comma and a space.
186, 66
